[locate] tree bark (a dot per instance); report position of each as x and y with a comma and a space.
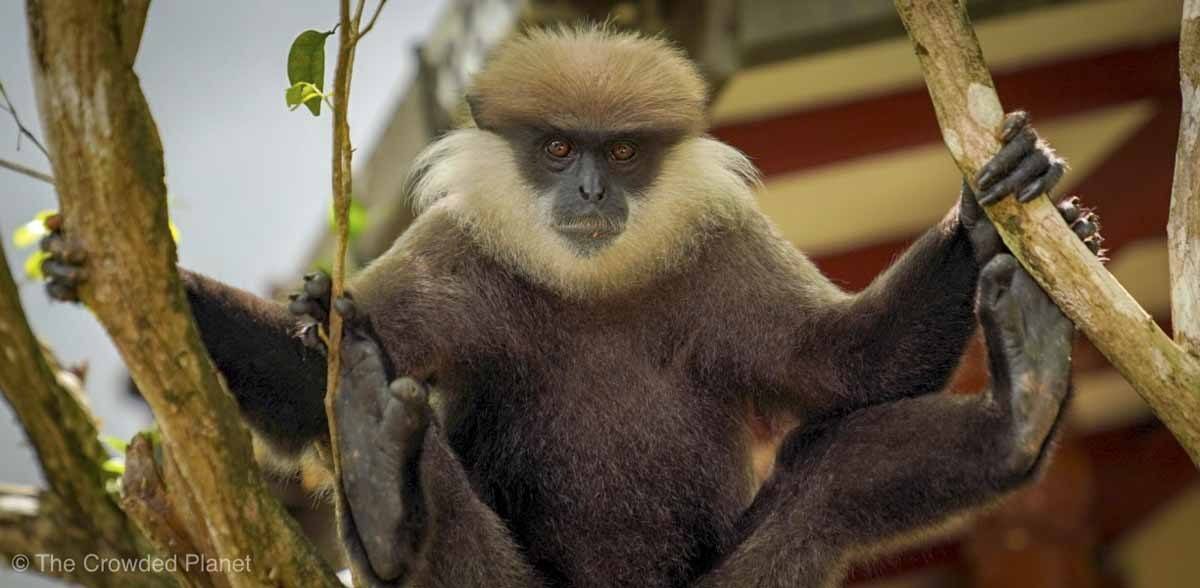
108, 167
75, 517
1183, 230
970, 116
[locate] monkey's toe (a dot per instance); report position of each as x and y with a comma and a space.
1025, 165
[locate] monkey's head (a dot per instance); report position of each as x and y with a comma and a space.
587, 169
589, 114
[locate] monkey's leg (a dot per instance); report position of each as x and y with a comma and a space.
278, 382
409, 514
891, 469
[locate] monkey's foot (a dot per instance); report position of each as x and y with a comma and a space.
381, 432
1025, 165
1084, 222
1029, 348
63, 266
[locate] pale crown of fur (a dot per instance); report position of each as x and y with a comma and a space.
589, 77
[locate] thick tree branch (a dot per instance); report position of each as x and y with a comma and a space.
133, 23
60, 430
1183, 230
970, 116
107, 161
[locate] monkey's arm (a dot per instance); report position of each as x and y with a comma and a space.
279, 383
854, 482
904, 334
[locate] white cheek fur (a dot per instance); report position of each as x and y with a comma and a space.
471, 175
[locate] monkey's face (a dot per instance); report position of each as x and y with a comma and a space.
588, 181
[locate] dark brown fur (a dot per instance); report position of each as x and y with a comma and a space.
604, 421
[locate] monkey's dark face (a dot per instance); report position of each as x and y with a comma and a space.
589, 180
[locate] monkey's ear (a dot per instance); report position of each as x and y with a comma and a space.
475, 107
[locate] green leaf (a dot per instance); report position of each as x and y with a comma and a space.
116, 444
31, 232
301, 93
306, 63
115, 465
33, 264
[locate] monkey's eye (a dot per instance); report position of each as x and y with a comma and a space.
558, 148
622, 151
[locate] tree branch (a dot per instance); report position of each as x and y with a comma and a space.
349, 33
133, 23
22, 130
107, 161
1183, 230
27, 171
970, 116
61, 431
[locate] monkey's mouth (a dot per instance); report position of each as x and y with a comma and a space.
594, 228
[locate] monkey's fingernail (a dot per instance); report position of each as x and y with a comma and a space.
309, 277
984, 178
1030, 191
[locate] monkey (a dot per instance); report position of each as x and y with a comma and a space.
560, 373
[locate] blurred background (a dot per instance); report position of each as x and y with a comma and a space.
824, 95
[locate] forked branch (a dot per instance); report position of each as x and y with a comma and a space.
970, 116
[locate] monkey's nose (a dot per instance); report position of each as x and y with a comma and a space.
591, 193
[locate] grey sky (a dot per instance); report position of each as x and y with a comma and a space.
249, 180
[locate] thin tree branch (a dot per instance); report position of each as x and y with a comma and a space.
27, 171
970, 116
107, 160
1183, 229
22, 130
343, 152
371, 22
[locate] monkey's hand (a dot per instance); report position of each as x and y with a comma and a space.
381, 434
1029, 348
1027, 167
311, 305
63, 265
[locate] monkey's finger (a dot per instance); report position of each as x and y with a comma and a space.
318, 285
1070, 209
1014, 123
1042, 185
1010, 155
58, 247
62, 291
346, 307
71, 274
1086, 226
304, 307
1030, 168
310, 336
